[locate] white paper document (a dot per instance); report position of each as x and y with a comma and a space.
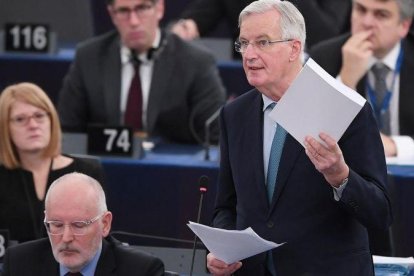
399, 161
231, 245
407, 262
316, 102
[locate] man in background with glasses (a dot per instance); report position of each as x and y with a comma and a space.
176, 85
318, 199
78, 224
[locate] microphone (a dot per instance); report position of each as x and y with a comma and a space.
203, 185
207, 125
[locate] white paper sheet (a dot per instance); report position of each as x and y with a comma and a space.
399, 161
407, 262
231, 245
316, 102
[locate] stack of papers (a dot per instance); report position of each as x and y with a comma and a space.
231, 245
316, 102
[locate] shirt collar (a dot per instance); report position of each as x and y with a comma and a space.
390, 59
89, 269
126, 52
266, 102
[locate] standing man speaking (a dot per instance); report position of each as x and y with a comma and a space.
319, 199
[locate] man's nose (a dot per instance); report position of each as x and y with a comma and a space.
250, 51
368, 19
67, 235
134, 18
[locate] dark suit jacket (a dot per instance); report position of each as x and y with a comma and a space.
323, 236
36, 258
328, 55
185, 91
324, 18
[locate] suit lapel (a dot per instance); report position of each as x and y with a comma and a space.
49, 265
106, 265
290, 154
252, 146
406, 88
162, 72
111, 66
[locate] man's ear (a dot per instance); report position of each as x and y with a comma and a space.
106, 223
111, 13
405, 27
296, 50
160, 9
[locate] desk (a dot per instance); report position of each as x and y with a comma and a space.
401, 188
159, 194
48, 71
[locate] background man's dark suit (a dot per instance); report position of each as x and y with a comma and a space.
36, 258
184, 76
328, 55
324, 18
323, 236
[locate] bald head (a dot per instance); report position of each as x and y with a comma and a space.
77, 190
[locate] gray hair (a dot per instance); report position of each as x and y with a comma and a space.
86, 180
292, 23
405, 8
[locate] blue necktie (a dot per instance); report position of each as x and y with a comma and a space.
274, 160
380, 72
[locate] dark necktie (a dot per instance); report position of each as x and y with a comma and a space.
133, 112
73, 274
380, 72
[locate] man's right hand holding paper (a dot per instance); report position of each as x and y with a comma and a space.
220, 268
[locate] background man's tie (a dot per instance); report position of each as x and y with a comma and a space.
380, 72
133, 112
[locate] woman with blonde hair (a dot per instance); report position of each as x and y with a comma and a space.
31, 159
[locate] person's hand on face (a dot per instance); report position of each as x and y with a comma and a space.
356, 53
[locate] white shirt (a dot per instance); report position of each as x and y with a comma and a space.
404, 144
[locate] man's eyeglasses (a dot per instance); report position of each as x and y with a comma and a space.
22, 120
78, 228
142, 10
262, 44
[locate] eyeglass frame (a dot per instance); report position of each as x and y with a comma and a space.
24, 120
260, 44
86, 224
124, 13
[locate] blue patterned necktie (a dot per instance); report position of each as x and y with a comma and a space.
274, 160
380, 72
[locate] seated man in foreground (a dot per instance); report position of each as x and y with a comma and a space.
78, 225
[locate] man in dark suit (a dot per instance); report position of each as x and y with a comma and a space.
325, 194
324, 18
378, 35
78, 224
180, 83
